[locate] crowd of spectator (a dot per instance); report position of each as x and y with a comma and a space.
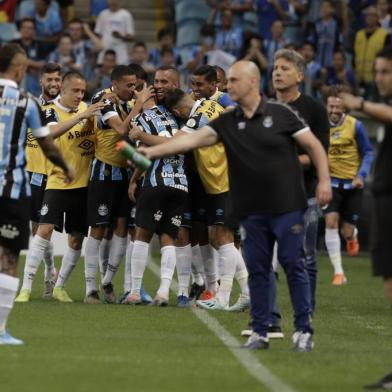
338, 38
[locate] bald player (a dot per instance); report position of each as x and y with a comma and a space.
258, 137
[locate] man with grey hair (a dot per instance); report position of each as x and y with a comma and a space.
287, 75
258, 137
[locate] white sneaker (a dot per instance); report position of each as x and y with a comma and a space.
303, 341
211, 304
243, 303
7, 339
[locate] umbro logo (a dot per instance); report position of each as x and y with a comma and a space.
30, 137
86, 144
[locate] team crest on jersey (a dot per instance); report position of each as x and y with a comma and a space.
86, 144
241, 125
133, 212
44, 210
158, 216
336, 135
191, 123
219, 212
103, 210
8, 231
176, 221
268, 122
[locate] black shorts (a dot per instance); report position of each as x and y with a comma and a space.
159, 210
37, 195
108, 200
381, 237
217, 209
14, 223
346, 202
195, 209
70, 202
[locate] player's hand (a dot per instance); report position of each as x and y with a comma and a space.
358, 183
146, 151
350, 101
112, 97
132, 191
135, 133
93, 109
323, 192
69, 175
145, 94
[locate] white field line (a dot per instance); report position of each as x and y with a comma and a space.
247, 358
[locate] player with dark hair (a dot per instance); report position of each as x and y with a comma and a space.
18, 112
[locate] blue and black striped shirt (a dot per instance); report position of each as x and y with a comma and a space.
18, 111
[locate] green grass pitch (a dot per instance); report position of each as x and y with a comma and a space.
84, 348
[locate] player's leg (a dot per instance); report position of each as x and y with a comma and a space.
14, 236
351, 209
184, 261
332, 237
104, 251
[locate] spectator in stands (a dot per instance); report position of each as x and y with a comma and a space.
338, 74
66, 10
368, 42
313, 71
221, 81
64, 55
101, 75
48, 23
166, 38
208, 53
294, 29
96, 7
267, 12
7, 17
85, 45
116, 28
35, 53
229, 37
325, 34
253, 51
168, 57
384, 14
275, 42
139, 55
242, 10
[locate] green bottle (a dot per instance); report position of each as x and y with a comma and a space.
129, 152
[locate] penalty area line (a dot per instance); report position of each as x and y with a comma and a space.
247, 358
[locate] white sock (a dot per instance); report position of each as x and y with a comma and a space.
49, 262
197, 266
8, 288
215, 256
210, 267
104, 251
139, 262
168, 264
226, 266
33, 259
117, 252
332, 242
275, 261
91, 257
128, 267
183, 266
241, 274
68, 264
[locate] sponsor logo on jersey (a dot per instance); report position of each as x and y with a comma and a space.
297, 229
8, 231
219, 212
